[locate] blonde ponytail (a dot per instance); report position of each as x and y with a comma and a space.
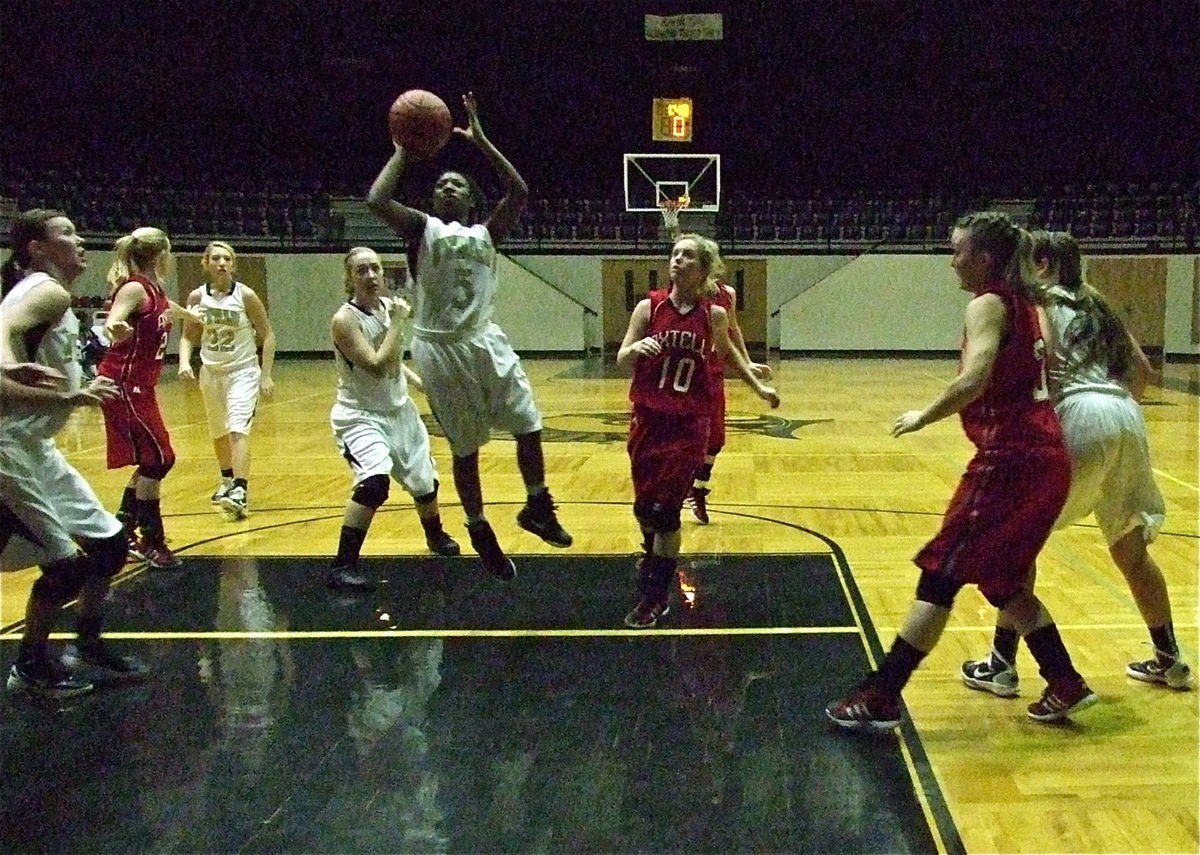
141, 250
119, 273
710, 259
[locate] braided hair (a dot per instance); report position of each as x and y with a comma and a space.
1011, 248
1096, 327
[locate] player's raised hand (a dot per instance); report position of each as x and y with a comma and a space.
474, 130
398, 308
761, 371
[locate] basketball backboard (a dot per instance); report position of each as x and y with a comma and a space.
651, 179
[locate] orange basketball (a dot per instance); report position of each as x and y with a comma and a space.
420, 121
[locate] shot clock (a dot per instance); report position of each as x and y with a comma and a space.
672, 120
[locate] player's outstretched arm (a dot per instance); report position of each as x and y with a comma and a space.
985, 325
407, 222
129, 300
190, 338
516, 192
733, 357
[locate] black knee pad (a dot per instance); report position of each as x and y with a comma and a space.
938, 589
430, 497
1000, 601
641, 512
657, 517
108, 554
372, 492
158, 471
62, 581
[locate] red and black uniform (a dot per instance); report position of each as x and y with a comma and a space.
716, 365
1015, 485
132, 421
672, 396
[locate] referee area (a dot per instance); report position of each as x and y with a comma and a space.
451, 712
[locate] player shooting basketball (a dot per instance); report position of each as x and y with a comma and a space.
473, 379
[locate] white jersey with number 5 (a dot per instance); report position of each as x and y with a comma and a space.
456, 279
228, 342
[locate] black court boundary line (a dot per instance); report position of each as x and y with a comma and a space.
330, 511
731, 509
938, 808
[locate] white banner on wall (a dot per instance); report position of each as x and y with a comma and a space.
685, 28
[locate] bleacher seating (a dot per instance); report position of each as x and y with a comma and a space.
1155, 215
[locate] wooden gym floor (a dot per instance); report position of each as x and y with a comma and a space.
449, 712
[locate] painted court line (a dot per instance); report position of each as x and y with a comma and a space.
463, 633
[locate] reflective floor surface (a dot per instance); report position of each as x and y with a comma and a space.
449, 712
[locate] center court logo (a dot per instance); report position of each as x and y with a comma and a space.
614, 427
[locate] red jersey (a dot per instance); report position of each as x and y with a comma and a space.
1015, 409
724, 299
138, 360
677, 379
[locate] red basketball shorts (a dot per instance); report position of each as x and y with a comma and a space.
999, 518
135, 430
665, 449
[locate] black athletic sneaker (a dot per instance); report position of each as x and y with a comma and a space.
654, 593
697, 500
1163, 668
108, 667
539, 518
441, 543
483, 539
342, 578
992, 674
46, 678
1062, 701
865, 708
647, 612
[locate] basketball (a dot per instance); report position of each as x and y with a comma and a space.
421, 122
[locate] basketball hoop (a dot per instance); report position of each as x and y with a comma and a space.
691, 181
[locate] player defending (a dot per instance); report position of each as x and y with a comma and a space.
375, 422
726, 298
473, 379
49, 516
1096, 378
1013, 489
